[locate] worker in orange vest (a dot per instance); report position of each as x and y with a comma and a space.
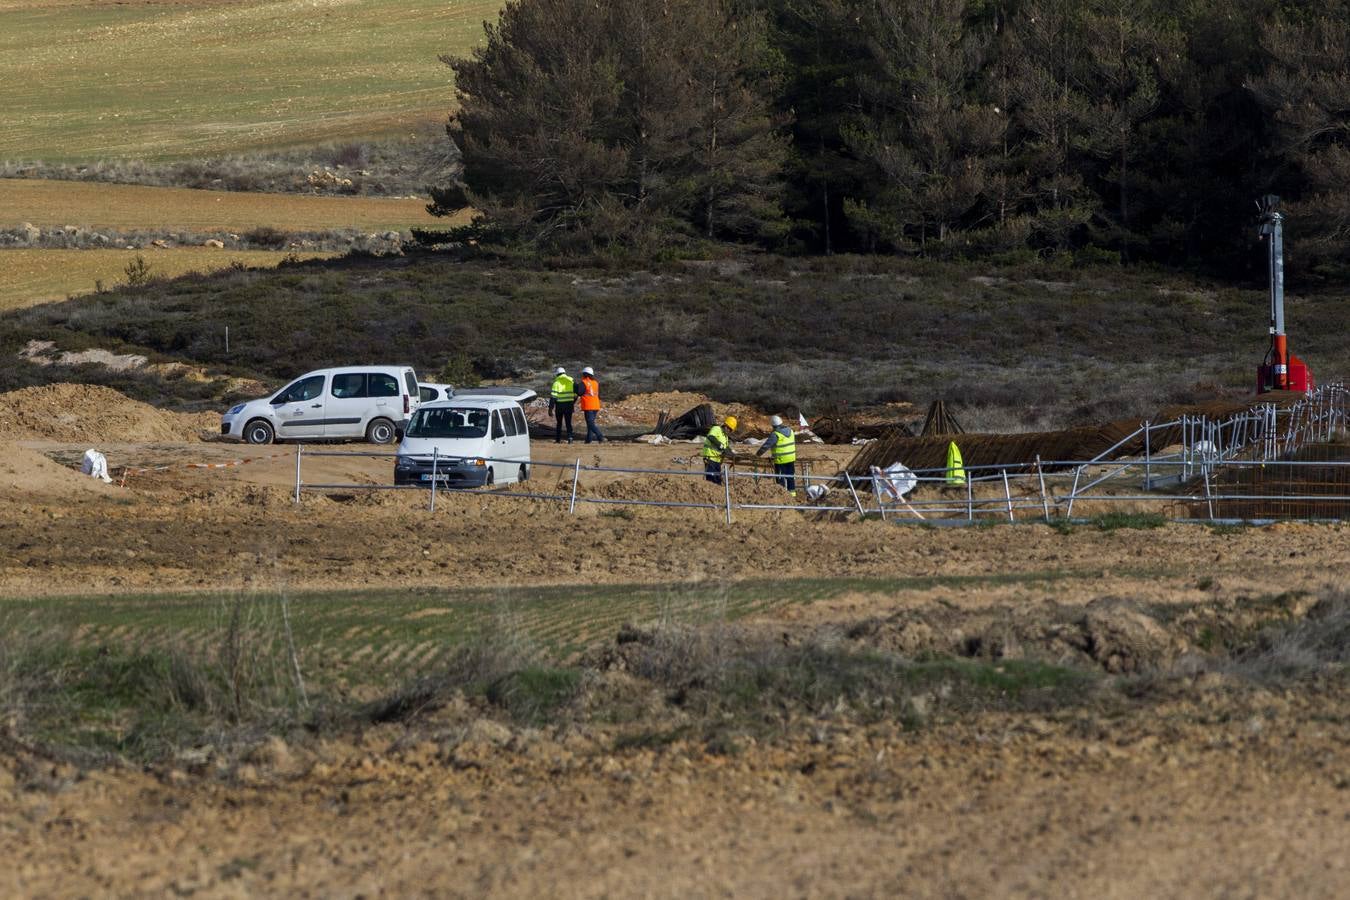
590, 403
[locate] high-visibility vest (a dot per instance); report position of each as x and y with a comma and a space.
563, 389
590, 393
715, 444
956, 469
785, 448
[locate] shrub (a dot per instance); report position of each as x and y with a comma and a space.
267, 236
138, 272
1113, 521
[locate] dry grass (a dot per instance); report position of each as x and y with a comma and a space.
38, 276
94, 80
124, 206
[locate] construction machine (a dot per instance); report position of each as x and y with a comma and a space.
1281, 370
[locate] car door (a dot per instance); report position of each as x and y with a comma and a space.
520, 441
299, 409
413, 395
348, 405
386, 397
500, 449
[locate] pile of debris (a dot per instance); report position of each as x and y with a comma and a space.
693, 424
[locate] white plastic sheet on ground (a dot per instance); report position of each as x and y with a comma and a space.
95, 465
896, 480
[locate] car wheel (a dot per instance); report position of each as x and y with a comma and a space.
488, 482
524, 472
381, 431
259, 431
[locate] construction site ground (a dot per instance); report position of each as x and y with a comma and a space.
1208, 786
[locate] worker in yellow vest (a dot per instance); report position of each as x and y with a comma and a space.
562, 399
783, 442
716, 448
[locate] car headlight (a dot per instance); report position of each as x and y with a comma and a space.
404, 462
234, 410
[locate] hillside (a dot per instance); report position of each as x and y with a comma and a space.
83, 80
1014, 348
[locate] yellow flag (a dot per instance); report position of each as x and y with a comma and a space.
956, 470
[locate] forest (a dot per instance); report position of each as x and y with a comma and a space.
1102, 130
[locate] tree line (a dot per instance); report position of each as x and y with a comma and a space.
1130, 129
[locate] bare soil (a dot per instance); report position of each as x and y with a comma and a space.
1211, 789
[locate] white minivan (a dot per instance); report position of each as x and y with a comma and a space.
468, 441
351, 402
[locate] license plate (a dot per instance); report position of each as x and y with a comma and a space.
440, 476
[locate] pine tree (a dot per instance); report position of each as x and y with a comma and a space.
927, 139
630, 123
1131, 51
820, 42
1052, 116
1306, 91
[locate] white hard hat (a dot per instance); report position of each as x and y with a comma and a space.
588, 371
560, 371
775, 421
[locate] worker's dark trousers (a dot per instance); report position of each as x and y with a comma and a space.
563, 413
787, 475
712, 471
591, 430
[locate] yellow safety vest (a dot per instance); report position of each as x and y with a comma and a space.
956, 469
715, 444
785, 448
563, 389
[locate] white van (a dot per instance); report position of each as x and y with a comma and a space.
469, 441
351, 402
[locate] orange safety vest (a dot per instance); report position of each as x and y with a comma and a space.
590, 393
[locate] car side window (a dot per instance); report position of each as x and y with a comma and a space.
497, 430
427, 394
382, 385
522, 427
349, 385
512, 429
304, 389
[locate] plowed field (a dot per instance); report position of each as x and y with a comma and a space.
40, 276
129, 207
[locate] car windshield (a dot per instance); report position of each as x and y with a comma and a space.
452, 422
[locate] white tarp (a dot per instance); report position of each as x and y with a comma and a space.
896, 480
95, 465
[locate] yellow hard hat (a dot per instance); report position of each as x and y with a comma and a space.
730, 422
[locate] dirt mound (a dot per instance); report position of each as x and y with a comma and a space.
91, 414
26, 473
644, 409
688, 489
1120, 637
1112, 633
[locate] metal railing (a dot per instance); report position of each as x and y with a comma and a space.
1186, 454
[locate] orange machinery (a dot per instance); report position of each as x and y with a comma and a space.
1281, 370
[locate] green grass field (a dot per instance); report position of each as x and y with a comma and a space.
147, 676
374, 637
87, 80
